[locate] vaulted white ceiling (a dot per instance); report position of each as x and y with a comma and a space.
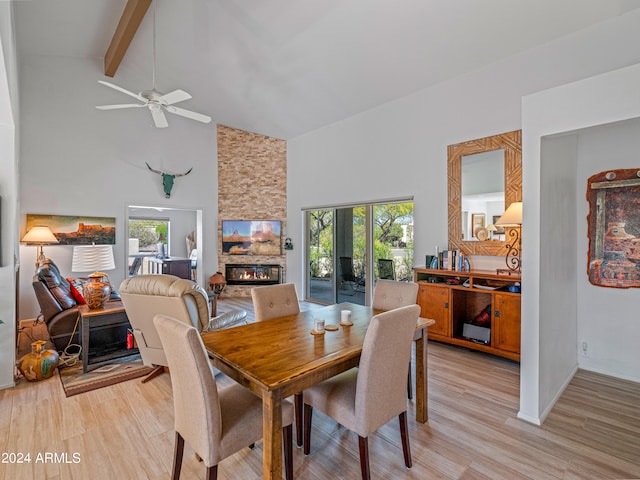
286, 67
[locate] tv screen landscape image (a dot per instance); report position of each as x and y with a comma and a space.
251, 237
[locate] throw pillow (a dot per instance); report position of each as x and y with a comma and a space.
75, 288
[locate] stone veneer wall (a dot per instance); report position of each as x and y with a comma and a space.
252, 185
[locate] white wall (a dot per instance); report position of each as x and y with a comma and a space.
80, 160
8, 191
399, 149
606, 321
612, 330
558, 227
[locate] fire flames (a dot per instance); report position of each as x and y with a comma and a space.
253, 275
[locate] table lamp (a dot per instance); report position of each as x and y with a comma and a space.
491, 228
39, 235
512, 219
94, 258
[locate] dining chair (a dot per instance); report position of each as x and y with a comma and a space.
215, 423
389, 295
273, 301
365, 398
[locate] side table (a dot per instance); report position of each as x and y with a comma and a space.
213, 303
104, 335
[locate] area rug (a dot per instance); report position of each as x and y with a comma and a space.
75, 382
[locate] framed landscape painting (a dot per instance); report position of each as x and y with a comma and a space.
76, 230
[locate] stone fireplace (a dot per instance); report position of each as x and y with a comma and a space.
253, 168
252, 274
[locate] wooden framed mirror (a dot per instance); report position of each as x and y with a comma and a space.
507, 146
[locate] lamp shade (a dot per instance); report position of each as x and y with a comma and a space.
92, 258
39, 235
512, 216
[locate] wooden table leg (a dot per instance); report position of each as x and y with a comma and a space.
272, 435
422, 388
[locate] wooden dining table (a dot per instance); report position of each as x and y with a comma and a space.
280, 357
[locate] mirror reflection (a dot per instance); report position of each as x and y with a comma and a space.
466, 231
164, 240
482, 195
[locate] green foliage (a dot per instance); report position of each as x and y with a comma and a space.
321, 243
388, 219
146, 231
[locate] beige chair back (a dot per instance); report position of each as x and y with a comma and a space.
390, 294
144, 296
386, 351
195, 393
272, 301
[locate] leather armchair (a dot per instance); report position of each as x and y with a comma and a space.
145, 296
57, 305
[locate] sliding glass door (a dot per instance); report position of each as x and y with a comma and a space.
320, 278
393, 240
350, 247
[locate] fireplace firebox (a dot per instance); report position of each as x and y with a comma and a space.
252, 274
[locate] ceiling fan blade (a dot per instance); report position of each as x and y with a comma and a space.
158, 117
189, 114
120, 89
174, 97
123, 105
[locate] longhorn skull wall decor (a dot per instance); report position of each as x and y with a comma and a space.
168, 178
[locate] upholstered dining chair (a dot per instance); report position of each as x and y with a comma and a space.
389, 294
365, 398
144, 296
215, 423
273, 301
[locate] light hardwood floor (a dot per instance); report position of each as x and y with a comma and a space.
126, 431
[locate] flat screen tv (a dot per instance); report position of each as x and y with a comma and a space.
251, 237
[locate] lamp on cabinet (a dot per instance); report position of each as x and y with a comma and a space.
511, 219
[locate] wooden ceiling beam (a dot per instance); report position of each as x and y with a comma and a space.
128, 25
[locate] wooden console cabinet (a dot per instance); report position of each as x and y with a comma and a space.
454, 298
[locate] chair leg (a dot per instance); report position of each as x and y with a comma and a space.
404, 434
308, 412
177, 457
287, 443
363, 443
409, 384
298, 407
212, 473
159, 369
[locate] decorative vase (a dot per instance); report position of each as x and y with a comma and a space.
217, 282
40, 363
96, 292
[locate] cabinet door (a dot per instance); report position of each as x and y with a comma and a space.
434, 304
506, 322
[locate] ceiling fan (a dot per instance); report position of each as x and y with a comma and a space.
155, 101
